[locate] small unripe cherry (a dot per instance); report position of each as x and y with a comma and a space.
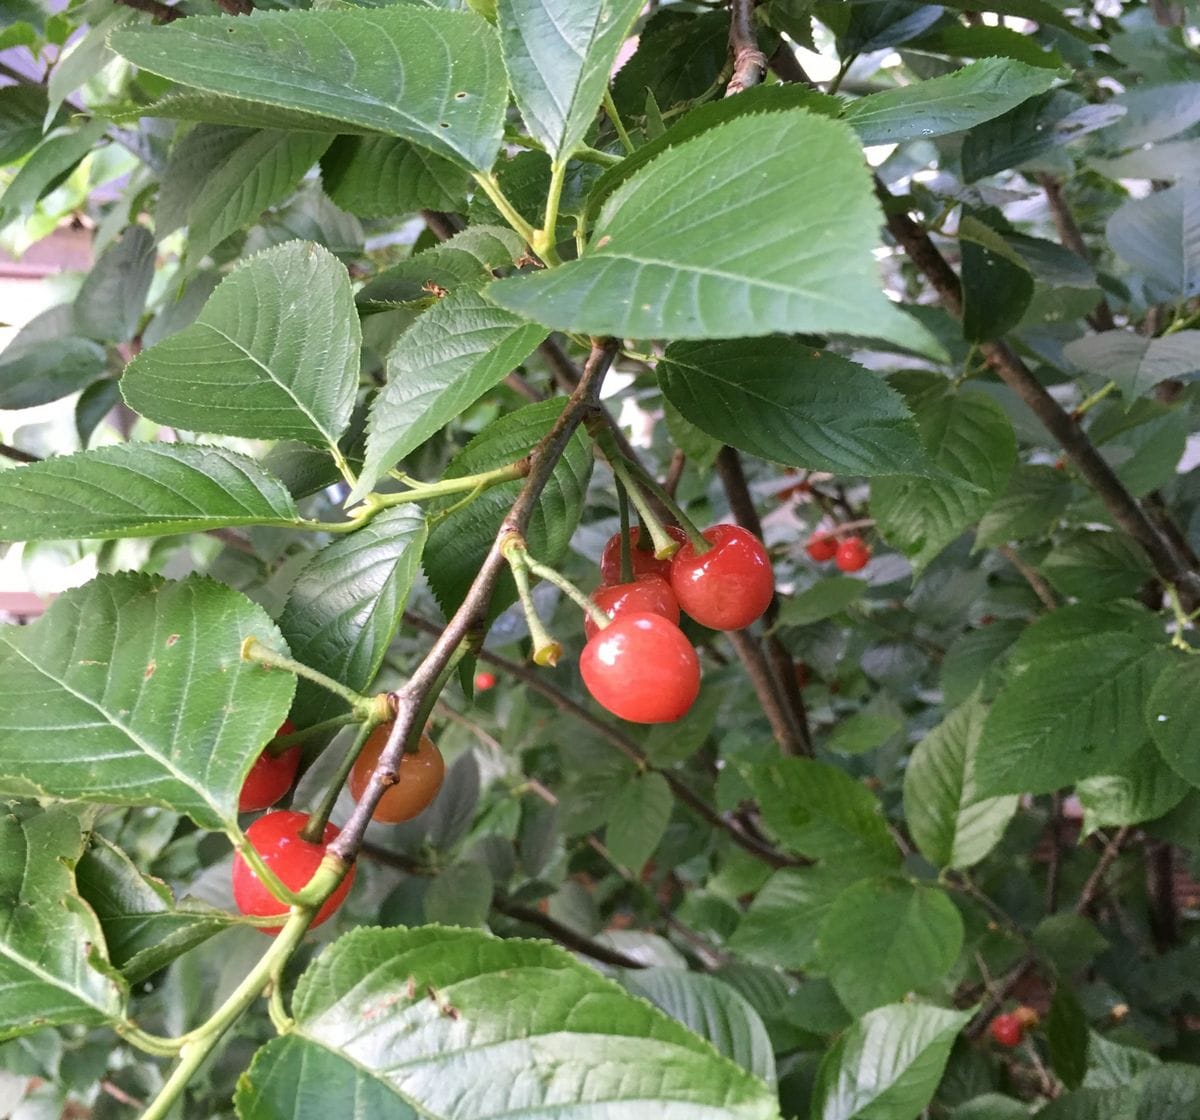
642, 560
647, 594
642, 668
1007, 1030
821, 547
730, 585
271, 776
852, 554
484, 681
421, 774
293, 861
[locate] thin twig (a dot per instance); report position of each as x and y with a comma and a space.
999, 994
749, 63
442, 225
17, 455
617, 738
1032, 577
1095, 881
1101, 317
1054, 868
469, 618
1160, 894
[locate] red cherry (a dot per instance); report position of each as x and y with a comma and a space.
648, 594
271, 776
294, 861
852, 554
642, 559
730, 585
641, 668
1007, 1030
484, 681
821, 547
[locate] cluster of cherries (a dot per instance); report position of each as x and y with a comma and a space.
850, 554
641, 666
277, 837
1009, 1028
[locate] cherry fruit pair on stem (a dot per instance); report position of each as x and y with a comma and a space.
850, 554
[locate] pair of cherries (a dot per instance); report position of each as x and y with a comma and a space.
850, 553
277, 836
641, 667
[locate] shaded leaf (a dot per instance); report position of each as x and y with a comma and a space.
1160, 236
46, 361
378, 176
112, 297
638, 819
1134, 362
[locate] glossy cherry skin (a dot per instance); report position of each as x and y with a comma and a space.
1006, 1030
271, 776
730, 585
821, 547
294, 861
642, 559
852, 555
484, 681
648, 594
421, 775
641, 668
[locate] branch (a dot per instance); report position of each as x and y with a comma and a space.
164, 13
442, 225
1101, 317
1160, 893
618, 739
1095, 881
1003, 360
775, 683
470, 616
1032, 577
17, 455
749, 63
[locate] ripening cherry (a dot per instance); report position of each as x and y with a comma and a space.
730, 585
293, 860
421, 775
642, 668
484, 681
1007, 1030
271, 776
852, 554
821, 547
642, 559
648, 594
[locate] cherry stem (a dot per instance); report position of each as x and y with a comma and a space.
623, 513
254, 650
665, 546
314, 830
543, 571
283, 743
546, 650
699, 544
848, 527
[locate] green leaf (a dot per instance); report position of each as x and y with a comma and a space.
48, 164
140, 490
1040, 11
820, 811
451, 356
22, 113
132, 691
951, 824
432, 77
781, 927
1171, 1092
1160, 236
886, 936
559, 54
379, 176
971, 439
468, 259
638, 820
459, 543
982, 41
1073, 712
1067, 1036
997, 284
976, 659
1143, 789
273, 355
1134, 362
219, 180
1036, 498
460, 895
144, 927
463, 1024
887, 1065
951, 103
677, 59
826, 598
1171, 713
783, 401
865, 730
1153, 113
684, 250
45, 361
52, 966
1068, 942
112, 297
87, 55
346, 604
1093, 564
711, 1009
